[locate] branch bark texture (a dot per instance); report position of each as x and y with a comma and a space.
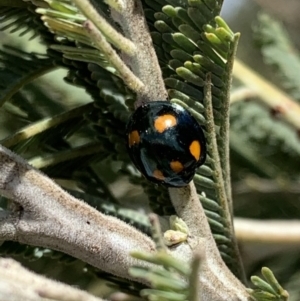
45, 215
144, 63
215, 278
49, 217
17, 283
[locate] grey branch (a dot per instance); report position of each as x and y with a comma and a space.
45, 215
144, 63
217, 283
49, 217
17, 283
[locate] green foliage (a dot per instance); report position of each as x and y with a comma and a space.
282, 148
279, 51
263, 145
197, 50
190, 40
168, 279
78, 144
268, 289
18, 20
23, 70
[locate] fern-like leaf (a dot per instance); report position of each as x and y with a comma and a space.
18, 68
279, 52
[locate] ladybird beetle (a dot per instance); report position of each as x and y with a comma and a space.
165, 143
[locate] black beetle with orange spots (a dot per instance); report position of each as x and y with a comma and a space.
165, 143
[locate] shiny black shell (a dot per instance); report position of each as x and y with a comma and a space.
165, 143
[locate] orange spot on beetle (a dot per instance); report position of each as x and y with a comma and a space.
195, 149
158, 174
176, 166
164, 122
133, 138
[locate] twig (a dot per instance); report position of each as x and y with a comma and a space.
188, 207
215, 275
220, 188
252, 184
118, 5
224, 129
145, 63
280, 104
129, 78
49, 217
156, 232
106, 29
43, 161
241, 94
268, 231
194, 287
213, 151
17, 283
63, 28
29, 78
44, 124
